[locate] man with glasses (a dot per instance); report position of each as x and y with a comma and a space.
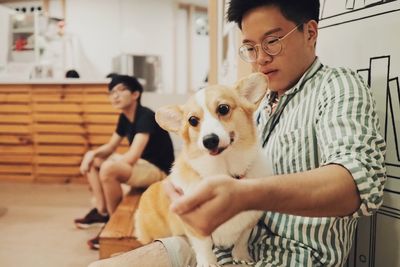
148, 159
318, 126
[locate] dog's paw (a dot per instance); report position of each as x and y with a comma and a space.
202, 262
207, 265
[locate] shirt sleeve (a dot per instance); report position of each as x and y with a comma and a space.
146, 123
120, 129
348, 134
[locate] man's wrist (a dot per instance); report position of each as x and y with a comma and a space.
249, 194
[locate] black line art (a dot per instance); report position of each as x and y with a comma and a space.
386, 92
348, 6
349, 11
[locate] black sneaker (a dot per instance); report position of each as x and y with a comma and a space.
94, 243
93, 218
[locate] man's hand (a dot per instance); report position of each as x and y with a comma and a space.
87, 162
214, 201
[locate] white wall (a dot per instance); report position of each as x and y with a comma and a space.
181, 51
366, 38
200, 57
199, 53
107, 28
4, 35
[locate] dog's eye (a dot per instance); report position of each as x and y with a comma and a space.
193, 121
223, 109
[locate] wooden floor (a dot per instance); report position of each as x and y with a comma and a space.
36, 225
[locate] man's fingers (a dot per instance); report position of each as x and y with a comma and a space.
172, 192
190, 202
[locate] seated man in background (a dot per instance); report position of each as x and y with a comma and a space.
143, 164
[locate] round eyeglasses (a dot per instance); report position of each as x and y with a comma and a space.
271, 45
117, 91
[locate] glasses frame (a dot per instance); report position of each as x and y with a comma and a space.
118, 92
264, 47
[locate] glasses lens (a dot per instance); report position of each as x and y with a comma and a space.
272, 45
248, 53
118, 90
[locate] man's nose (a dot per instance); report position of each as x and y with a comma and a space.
262, 56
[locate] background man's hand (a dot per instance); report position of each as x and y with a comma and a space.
87, 162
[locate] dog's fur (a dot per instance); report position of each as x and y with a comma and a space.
235, 152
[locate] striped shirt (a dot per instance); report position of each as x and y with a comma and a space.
328, 117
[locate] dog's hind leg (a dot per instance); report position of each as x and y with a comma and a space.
203, 249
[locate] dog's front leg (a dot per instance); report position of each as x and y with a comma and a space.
203, 249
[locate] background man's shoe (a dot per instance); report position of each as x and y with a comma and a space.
94, 243
93, 218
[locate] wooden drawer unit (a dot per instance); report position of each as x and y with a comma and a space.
46, 129
16, 138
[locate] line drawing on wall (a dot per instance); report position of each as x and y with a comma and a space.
361, 35
331, 8
386, 93
333, 13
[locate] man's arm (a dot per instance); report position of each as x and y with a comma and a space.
136, 149
107, 149
323, 192
328, 191
102, 152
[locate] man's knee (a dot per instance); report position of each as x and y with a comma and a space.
97, 162
108, 171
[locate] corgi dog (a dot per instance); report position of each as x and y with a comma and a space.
219, 137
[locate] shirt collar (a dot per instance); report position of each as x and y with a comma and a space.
310, 72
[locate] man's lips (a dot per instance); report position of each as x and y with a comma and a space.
270, 72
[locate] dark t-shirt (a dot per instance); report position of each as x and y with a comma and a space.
159, 149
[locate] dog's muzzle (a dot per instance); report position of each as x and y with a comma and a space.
211, 142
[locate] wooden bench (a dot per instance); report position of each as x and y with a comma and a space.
117, 235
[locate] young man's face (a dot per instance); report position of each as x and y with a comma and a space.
121, 98
298, 48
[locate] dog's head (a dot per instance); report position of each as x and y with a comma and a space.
217, 117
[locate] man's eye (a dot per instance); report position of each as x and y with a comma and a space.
194, 121
223, 109
272, 41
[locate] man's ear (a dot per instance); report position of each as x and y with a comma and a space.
135, 95
169, 117
311, 31
253, 87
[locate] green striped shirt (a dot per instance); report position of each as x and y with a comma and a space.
328, 117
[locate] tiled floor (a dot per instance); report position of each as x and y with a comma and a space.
36, 225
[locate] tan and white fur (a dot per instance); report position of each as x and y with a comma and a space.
223, 141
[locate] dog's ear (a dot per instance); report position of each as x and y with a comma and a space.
169, 117
253, 87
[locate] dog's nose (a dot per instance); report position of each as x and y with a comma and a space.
210, 141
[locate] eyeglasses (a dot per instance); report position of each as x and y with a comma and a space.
271, 45
118, 90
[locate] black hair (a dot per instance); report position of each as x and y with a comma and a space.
72, 74
131, 83
111, 74
293, 10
